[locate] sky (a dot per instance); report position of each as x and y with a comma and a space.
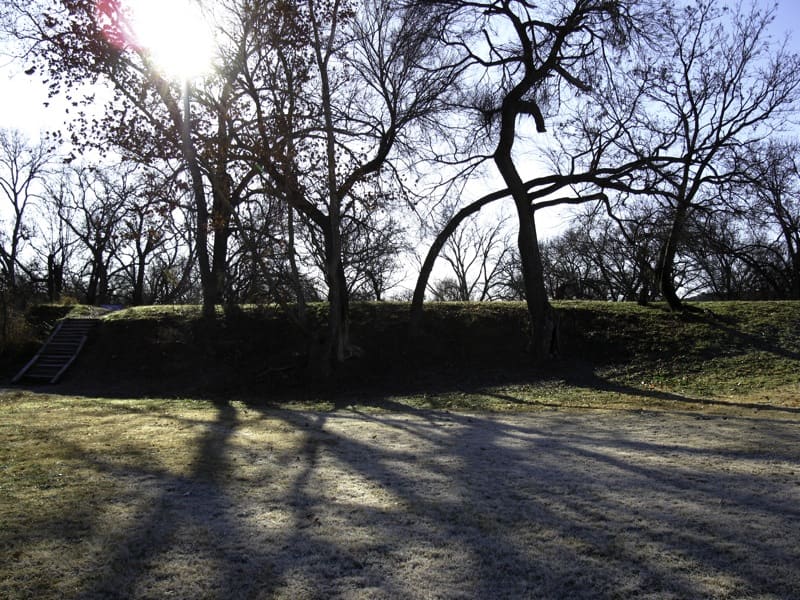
23, 98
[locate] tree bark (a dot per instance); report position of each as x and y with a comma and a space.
667, 260
219, 259
543, 323
138, 286
544, 331
334, 350
207, 282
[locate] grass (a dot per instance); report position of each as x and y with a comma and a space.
610, 495
68, 483
464, 355
248, 483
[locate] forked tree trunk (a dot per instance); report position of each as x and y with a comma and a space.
336, 345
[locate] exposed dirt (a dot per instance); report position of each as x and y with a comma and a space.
353, 504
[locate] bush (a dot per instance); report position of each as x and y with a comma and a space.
18, 339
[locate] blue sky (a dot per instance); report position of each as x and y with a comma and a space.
788, 20
22, 99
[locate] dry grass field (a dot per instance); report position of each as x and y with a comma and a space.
675, 498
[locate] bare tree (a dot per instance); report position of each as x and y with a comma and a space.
56, 243
772, 179
349, 88
147, 227
374, 247
722, 251
93, 215
524, 57
476, 255
24, 165
710, 83
79, 44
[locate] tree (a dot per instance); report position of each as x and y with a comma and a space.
93, 214
352, 86
476, 256
56, 243
639, 231
374, 247
709, 84
575, 270
24, 165
772, 186
523, 57
147, 227
82, 44
717, 245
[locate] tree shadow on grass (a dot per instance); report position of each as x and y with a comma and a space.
488, 508
748, 340
416, 503
177, 534
588, 379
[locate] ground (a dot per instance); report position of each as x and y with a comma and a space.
189, 499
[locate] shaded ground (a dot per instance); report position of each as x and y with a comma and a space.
255, 351
230, 501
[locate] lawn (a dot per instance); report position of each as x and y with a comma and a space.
657, 457
678, 497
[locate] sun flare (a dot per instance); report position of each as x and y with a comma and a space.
176, 35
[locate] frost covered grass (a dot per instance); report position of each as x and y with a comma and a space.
157, 498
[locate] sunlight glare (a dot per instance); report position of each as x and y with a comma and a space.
175, 33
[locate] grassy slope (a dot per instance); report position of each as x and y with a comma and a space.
617, 348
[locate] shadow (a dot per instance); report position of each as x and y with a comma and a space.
588, 379
413, 503
183, 522
565, 507
209, 362
761, 342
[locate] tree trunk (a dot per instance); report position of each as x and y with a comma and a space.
300, 296
543, 322
795, 258
331, 347
91, 289
544, 331
793, 249
51, 277
338, 321
210, 295
102, 288
138, 286
667, 258
646, 275
334, 351
219, 261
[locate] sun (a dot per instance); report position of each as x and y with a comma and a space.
175, 33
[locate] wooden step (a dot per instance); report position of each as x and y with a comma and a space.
59, 351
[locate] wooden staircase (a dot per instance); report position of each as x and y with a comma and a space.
59, 351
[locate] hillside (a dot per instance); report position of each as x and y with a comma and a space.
726, 347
